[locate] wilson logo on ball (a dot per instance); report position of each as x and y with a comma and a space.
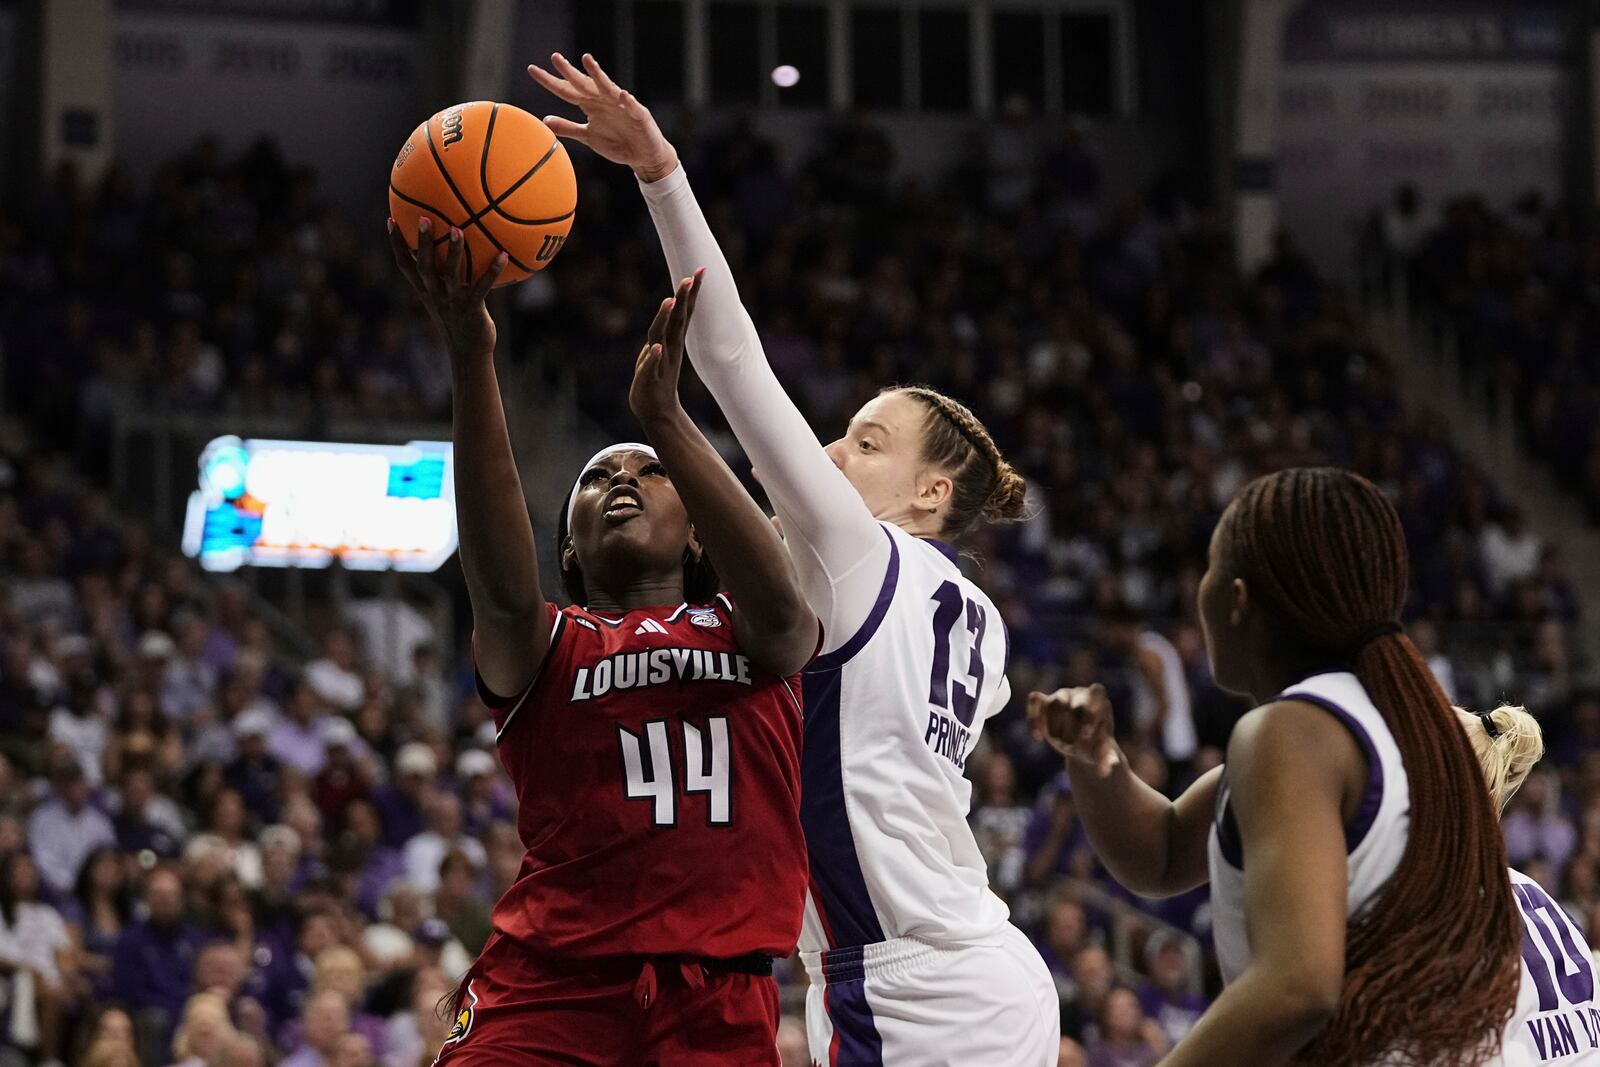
552, 245
452, 128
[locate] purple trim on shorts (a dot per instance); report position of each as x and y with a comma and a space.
856, 1041
1372, 798
846, 652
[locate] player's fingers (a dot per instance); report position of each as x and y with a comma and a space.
404, 258
453, 262
678, 321
592, 66
426, 266
575, 131
558, 86
497, 266
577, 77
658, 325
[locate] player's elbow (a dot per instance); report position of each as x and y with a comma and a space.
1300, 1001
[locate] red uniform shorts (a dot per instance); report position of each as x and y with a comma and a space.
517, 1010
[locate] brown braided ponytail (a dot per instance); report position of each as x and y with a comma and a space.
1431, 966
983, 484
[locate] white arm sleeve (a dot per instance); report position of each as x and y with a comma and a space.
840, 552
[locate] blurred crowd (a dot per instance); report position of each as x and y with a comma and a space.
215, 852
1522, 290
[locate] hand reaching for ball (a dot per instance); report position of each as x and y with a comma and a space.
1077, 724
455, 303
654, 393
619, 127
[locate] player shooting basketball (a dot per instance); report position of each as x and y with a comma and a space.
651, 730
911, 956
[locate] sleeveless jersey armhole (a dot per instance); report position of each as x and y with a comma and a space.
505, 708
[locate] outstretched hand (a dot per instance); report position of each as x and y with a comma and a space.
1077, 724
454, 302
654, 393
619, 127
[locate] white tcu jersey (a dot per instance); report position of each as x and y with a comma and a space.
1558, 1012
891, 716
1375, 838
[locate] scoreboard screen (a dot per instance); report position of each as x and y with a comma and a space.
306, 503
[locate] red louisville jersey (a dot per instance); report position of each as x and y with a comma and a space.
658, 781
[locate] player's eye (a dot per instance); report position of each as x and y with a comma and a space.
868, 446
653, 468
593, 474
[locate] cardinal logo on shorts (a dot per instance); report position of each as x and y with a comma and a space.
464, 1018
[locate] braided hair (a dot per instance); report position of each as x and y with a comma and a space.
983, 484
1432, 964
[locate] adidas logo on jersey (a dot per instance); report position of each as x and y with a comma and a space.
650, 626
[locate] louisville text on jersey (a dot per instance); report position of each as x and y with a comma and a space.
658, 666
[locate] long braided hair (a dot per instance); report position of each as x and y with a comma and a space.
1431, 965
983, 484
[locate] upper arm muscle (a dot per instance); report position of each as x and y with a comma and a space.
1288, 765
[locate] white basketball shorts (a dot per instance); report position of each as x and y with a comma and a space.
913, 1003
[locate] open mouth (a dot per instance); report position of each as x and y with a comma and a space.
623, 503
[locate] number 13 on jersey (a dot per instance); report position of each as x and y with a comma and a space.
953, 699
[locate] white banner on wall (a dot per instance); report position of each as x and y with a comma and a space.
339, 98
1458, 99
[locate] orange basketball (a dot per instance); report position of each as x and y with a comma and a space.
496, 172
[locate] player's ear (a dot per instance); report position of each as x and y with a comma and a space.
569, 554
933, 489
1241, 602
696, 549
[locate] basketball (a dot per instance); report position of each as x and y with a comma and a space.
498, 174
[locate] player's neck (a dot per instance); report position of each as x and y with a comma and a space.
642, 592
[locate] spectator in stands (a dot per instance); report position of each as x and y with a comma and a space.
80, 722
1072, 1054
342, 777
402, 803
37, 952
1169, 997
340, 970
153, 964
145, 820
425, 851
334, 677
1083, 1008
255, 772
380, 864
1066, 933
999, 823
100, 907
1511, 550
1053, 838
66, 828
299, 740
326, 1018
1535, 826
457, 904
204, 1033
190, 682
486, 796
413, 1034
1123, 1041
